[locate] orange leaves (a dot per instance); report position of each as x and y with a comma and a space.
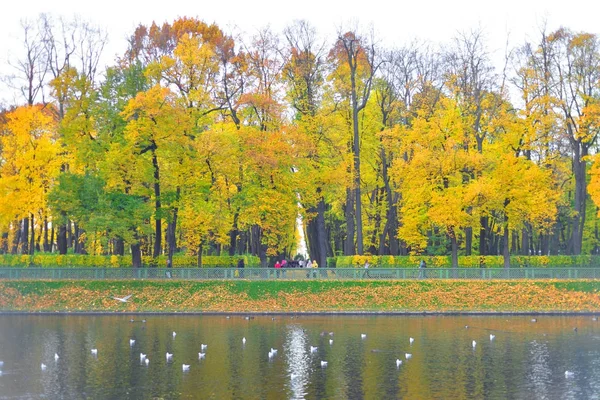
297, 296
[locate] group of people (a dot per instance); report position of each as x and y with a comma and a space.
296, 264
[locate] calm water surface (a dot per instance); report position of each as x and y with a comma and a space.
526, 360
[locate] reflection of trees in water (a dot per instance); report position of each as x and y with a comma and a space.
525, 360
298, 361
538, 368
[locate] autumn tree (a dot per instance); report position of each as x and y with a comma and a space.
356, 62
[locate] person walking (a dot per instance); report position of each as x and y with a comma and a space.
308, 267
240, 266
277, 267
422, 267
366, 274
315, 265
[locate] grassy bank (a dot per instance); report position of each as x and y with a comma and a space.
300, 296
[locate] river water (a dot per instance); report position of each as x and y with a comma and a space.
527, 359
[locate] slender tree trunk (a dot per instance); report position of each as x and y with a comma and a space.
525, 241
157, 207
16, 228
233, 234
51, 239
46, 242
25, 236
483, 236
119, 247
171, 234
468, 240
579, 171
32, 236
200, 249
136, 255
349, 211
321, 234
505, 247
4, 243
357, 183
454, 244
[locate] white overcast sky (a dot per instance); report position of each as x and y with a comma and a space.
396, 22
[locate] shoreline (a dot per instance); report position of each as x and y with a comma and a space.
307, 313
245, 297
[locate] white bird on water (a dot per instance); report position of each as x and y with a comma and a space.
174, 334
313, 349
185, 367
122, 299
271, 354
95, 352
142, 357
146, 361
201, 355
408, 355
492, 337
169, 356
411, 340
569, 374
43, 366
203, 346
363, 336
131, 342
323, 364
330, 341
398, 362
56, 357
274, 351
243, 340
474, 344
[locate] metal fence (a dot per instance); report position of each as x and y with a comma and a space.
298, 273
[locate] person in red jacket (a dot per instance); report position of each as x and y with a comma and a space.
277, 267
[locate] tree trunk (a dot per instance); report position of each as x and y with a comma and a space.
136, 255
525, 241
454, 243
61, 239
171, 235
233, 234
349, 211
468, 240
46, 245
16, 228
119, 247
579, 171
200, 255
51, 241
357, 183
25, 236
505, 247
483, 236
157, 207
321, 234
4, 244
32, 237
